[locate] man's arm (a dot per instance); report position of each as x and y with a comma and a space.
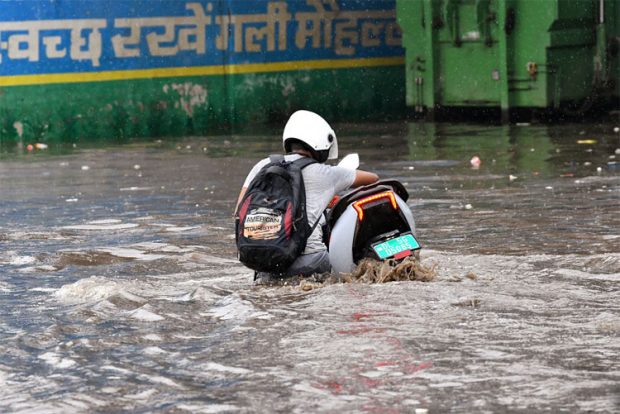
364, 178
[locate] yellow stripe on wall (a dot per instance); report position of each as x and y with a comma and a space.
20, 80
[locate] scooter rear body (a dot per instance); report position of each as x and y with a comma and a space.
371, 222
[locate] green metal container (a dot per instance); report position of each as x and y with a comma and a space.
553, 54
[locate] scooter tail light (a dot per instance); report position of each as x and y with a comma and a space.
359, 204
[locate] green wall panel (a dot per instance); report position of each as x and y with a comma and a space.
195, 105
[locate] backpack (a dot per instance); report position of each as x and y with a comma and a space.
272, 226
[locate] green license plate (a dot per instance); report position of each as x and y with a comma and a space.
394, 246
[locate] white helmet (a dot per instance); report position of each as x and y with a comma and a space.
313, 131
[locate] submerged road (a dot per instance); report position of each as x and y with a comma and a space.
120, 289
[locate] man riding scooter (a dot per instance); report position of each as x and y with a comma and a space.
308, 142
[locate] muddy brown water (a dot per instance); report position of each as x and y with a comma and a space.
120, 290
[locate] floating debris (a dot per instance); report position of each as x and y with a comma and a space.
468, 302
475, 162
471, 275
307, 285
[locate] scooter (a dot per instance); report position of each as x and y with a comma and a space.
372, 221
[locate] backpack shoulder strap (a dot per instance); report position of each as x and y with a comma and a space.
316, 223
276, 158
303, 162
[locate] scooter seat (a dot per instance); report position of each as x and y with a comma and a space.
365, 191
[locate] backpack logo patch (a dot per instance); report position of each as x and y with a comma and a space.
262, 224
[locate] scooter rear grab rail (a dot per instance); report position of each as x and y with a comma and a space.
361, 192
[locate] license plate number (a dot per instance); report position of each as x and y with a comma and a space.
396, 245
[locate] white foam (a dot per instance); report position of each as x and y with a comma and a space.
611, 236
152, 337
92, 289
143, 314
145, 218
189, 337
178, 229
116, 369
213, 366
162, 247
34, 269
154, 350
136, 188
42, 289
5, 255
141, 395
607, 322
373, 374
33, 235
199, 294
161, 380
491, 354
120, 226
56, 360
22, 260
130, 296
105, 221
128, 253
581, 275
308, 388
208, 409
233, 308
104, 308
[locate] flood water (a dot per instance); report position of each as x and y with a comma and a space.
120, 290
